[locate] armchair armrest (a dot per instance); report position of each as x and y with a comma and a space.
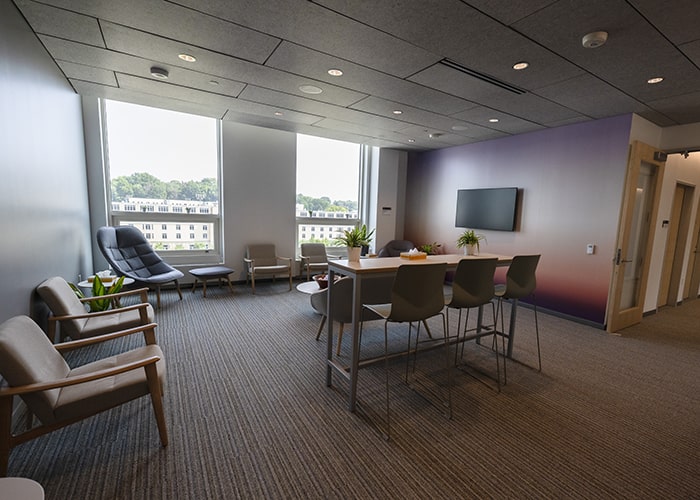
100, 313
79, 379
140, 291
76, 344
288, 259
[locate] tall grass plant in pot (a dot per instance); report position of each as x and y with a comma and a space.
354, 239
469, 240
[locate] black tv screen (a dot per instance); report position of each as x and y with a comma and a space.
491, 208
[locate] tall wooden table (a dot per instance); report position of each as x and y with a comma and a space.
368, 269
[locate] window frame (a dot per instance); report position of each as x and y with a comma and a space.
153, 216
364, 163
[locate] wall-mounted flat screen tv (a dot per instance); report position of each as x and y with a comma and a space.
490, 208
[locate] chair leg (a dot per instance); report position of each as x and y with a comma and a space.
537, 335
340, 339
290, 279
320, 327
252, 282
157, 401
177, 286
194, 285
5, 433
158, 296
386, 376
228, 281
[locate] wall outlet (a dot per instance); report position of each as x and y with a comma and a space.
590, 249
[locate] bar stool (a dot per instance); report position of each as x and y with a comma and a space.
520, 284
473, 287
416, 295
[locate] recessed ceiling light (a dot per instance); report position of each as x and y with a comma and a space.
310, 89
397, 112
213, 82
657, 79
187, 57
335, 72
520, 65
278, 113
411, 140
159, 73
493, 120
459, 128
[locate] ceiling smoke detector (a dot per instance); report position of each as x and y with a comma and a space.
160, 73
594, 39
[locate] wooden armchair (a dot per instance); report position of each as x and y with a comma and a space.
76, 323
60, 395
262, 259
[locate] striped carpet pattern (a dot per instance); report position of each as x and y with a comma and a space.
250, 416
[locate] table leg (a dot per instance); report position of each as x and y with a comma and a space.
355, 359
511, 327
329, 319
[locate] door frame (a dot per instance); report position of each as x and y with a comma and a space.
692, 280
618, 318
676, 243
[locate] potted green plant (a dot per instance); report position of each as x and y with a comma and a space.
469, 240
355, 239
430, 248
98, 290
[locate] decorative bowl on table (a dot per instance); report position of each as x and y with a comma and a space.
321, 280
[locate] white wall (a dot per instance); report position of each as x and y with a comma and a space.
390, 196
259, 191
43, 192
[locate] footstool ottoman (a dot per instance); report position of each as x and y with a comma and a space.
210, 273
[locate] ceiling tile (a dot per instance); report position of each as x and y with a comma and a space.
61, 23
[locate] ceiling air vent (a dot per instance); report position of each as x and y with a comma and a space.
481, 76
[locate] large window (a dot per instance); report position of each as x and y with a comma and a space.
163, 172
329, 197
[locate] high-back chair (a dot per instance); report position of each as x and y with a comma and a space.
394, 248
69, 311
131, 255
416, 295
59, 395
262, 260
520, 284
314, 258
473, 287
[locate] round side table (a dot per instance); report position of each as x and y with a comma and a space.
20, 488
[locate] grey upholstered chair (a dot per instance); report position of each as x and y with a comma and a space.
262, 260
375, 291
394, 248
59, 395
131, 255
314, 258
417, 295
69, 311
473, 287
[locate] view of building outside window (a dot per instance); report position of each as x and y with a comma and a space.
328, 186
163, 170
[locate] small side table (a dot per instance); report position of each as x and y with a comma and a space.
210, 273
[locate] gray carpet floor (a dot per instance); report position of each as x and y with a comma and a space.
250, 416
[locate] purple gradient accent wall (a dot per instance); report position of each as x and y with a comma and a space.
570, 182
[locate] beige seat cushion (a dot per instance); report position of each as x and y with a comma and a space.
99, 325
105, 393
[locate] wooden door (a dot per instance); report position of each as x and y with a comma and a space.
634, 239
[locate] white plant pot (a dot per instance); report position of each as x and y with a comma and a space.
471, 250
354, 254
